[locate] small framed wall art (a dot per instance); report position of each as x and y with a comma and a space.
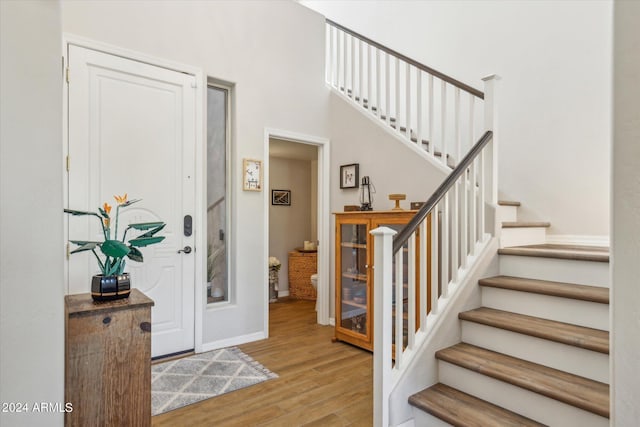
349, 176
281, 197
251, 175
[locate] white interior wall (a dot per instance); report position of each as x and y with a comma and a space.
278, 78
391, 165
31, 217
625, 224
554, 59
289, 226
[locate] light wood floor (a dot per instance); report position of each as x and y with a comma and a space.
320, 383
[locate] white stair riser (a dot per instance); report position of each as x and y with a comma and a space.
422, 418
571, 359
507, 213
577, 312
520, 236
559, 270
524, 402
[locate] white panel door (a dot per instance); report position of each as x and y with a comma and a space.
132, 130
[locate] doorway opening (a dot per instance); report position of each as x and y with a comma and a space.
297, 218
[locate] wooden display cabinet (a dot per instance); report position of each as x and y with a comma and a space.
354, 273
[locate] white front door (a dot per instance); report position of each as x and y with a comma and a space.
132, 130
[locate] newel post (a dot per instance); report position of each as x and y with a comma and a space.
491, 86
382, 326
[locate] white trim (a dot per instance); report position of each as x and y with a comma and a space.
282, 294
324, 230
578, 239
228, 342
200, 135
332, 321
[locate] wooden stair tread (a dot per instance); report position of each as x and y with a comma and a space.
462, 409
545, 287
578, 253
508, 203
592, 396
565, 333
525, 224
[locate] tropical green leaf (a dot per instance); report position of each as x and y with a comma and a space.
146, 225
145, 241
82, 242
76, 213
87, 246
151, 233
103, 213
135, 254
129, 202
114, 248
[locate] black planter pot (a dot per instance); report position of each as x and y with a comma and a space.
108, 288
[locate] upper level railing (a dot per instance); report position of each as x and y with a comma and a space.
438, 113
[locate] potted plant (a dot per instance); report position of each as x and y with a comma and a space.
114, 283
274, 267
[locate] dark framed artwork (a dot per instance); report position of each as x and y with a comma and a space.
281, 197
349, 176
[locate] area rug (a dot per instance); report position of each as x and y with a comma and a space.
202, 376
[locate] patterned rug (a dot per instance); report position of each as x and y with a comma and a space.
189, 380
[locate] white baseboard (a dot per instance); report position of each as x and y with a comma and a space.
577, 239
229, 342
332, 321
283, 294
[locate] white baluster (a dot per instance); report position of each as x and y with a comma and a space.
339, 58
454, 230
457, 125
481, 202
408, 100
399, 307
464, 222
419, 106
435, 262
369, 77
444, 272
471, 140
443, 124
328, 58
473, 237
397, 94
423, 269
382, 300
360, 72
345, 48
411, 291
378, 84
353, 68
387, 87
431, 146
491, 122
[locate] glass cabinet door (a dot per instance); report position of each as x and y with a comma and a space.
354, 298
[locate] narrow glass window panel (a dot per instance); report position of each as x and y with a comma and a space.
217, 277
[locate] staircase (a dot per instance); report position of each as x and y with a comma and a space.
537, 351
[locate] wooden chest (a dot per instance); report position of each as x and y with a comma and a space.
108, 360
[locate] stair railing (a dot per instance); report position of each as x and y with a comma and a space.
438, 113
447, 235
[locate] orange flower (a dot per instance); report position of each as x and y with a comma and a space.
121, 199
107, 208
107, 221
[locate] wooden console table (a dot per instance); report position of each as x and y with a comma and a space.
108, 360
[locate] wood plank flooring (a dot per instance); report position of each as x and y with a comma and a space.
320, 383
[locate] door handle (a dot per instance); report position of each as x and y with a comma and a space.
186, 250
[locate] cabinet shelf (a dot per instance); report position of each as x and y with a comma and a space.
353, 245
354, 304
360, 277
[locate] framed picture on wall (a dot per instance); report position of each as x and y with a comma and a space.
281, 197
349, 176
251, 175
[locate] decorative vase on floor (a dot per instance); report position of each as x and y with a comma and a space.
273, 285
108, 288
